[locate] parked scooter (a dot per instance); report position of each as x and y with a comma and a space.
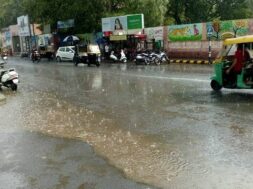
4, 56
113, 57
8, 77
122, 58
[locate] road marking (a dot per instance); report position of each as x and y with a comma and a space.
168, 78
188, 79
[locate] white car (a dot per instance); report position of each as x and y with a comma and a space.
65, 53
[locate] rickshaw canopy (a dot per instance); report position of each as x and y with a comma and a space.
237, 40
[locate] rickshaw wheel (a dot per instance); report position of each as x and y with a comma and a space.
215, 85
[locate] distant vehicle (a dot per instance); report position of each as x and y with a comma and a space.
65, 53
46, 51
35, 56
88, 54
242, 80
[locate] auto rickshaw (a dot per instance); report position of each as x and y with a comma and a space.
88, 54
244, 80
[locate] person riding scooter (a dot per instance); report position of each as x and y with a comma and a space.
35, 55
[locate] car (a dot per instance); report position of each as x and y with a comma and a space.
65, 53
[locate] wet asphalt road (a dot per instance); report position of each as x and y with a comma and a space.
158, 125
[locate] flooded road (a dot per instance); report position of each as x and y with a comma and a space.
160, 126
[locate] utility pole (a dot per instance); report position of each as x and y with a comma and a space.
209, 34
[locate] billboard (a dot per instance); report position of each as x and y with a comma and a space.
23, 26
155, 33
123, 23
66, 24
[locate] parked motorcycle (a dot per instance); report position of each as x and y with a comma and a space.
155, 58
148, 58
142, 58
8, 77
163, 57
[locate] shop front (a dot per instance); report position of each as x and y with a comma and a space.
124, 32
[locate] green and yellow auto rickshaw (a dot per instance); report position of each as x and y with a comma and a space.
243, 80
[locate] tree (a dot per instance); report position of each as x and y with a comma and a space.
192, 11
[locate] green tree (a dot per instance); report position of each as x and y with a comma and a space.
232, 9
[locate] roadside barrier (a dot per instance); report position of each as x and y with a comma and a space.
185, 61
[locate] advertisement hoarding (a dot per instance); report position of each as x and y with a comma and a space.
66, 24
135, 21
155, 33
23, 26
123, 23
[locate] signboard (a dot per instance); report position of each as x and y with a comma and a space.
66, 24
7, 36
119, 23
106, 25
23, 26
155, 33
118, 37
123, 23
135, 21
209, 29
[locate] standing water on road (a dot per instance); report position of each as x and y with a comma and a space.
160, 126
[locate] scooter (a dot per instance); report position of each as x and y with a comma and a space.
5, 57
8, 78
122, 58
113, 57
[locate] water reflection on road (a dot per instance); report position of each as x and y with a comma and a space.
166, 132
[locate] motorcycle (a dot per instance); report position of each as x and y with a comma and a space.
155, 58
163, 57
8, 78
35, 56
148, 58
142, 58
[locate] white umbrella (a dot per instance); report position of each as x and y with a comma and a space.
70, 38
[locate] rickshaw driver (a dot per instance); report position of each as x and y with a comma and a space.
241, 56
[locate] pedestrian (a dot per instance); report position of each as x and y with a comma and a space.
76, 55
107, 51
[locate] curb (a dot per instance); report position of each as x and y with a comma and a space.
2, 97
185, 61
